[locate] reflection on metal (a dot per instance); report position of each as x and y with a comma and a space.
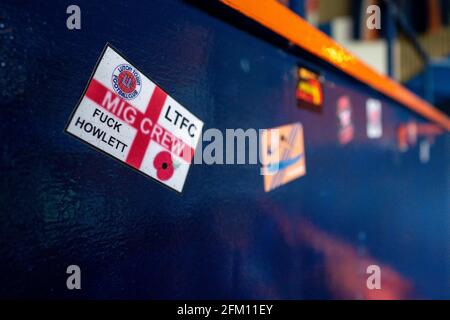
338, 55
344, 269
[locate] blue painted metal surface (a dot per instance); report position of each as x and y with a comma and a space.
64, 203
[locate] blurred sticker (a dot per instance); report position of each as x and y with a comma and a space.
344, 116
309, 90
127, 116
410, 132
374, 125
283, 155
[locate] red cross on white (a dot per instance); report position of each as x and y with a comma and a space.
149, 131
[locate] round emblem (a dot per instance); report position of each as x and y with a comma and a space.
126, 81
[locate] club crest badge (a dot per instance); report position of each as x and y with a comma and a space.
126, 81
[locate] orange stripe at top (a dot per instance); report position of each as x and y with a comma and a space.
289, 25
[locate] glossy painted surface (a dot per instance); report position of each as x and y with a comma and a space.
64, 203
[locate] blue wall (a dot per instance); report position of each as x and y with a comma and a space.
63, 203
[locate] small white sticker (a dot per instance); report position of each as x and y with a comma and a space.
124, 114
374, 122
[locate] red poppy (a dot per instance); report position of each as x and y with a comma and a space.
164, 165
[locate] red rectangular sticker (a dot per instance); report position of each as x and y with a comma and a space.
309, 90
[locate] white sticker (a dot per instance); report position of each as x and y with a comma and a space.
124, 114
374, 123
